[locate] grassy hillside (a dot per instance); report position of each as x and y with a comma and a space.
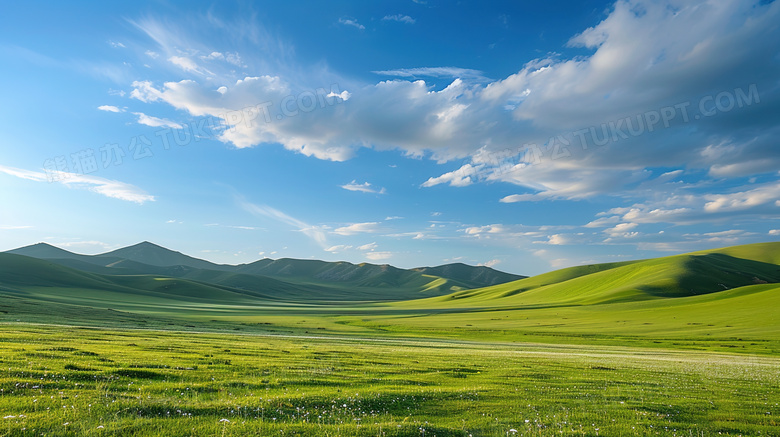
712, 300
473, 276
291, 279
668, 277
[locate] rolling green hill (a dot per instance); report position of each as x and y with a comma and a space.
717, 297
474, 276
668, 277
283, 278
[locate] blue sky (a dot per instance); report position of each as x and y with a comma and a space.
526, 137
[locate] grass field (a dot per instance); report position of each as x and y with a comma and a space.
679, 346
59, 380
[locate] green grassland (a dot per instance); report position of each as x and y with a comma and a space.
86, 381
680, 345
721, 300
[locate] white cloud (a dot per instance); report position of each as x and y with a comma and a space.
399, 18
358, 228
188, 65
457, 178
109, 108
106, 187
152, 54
231, 58
149, 120
369, 247
93, 244
379, 256
774, 232
643, 56
731, 236
116, 44
489, 229
14, 227
558, 239
453, 72
490, 263
621, 231
365, 187
742, 200
314, 232
212, 56
603, 222
351, 22
338, 248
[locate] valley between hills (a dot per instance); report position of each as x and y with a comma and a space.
724, 299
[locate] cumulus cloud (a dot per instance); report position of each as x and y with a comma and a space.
774, 232
560, 127
106, 187
621, 231
764, 195
457, 178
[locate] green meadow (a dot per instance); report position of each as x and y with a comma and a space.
87, 381
678, 346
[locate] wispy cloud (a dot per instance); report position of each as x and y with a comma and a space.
338, 248
14, 227
452, 72
365, 187
399, 18
149, 120
368, 247
351, 22
379, 256
188, 65
358, 228
106, 187
314, 232
490, 263
109, 108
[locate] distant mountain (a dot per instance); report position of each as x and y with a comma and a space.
365, 274
286, 279
152, 254
47, 251
475, 276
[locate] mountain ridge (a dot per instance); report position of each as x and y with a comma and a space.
366, 274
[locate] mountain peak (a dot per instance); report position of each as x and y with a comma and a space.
42, 250
153, 254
